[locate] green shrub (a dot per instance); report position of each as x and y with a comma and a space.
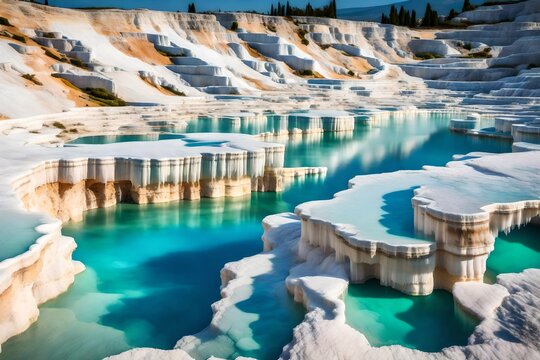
4, 21
104, 97
305, 73
58, 125
484, 54
351, 73
467, 46
77, 62
427, 55
234, 26
173, 90
324, 46
168, 54
302, 35
491, 3
50, 54
100, 93
19, 38
271, 27
48, 35
32, 78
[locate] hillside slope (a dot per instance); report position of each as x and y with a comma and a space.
56, 59
148, 57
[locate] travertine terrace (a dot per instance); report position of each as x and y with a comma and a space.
262, 79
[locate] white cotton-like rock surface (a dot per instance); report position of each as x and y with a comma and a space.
459, 209
152, 354
479, 299
65, 181
509, 328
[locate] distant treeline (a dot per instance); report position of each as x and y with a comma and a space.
286, 9
431, 17
403, 18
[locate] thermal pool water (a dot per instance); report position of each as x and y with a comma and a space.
153, 270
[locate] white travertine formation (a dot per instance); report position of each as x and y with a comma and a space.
35, 276
505, 123
462, 125
527, 132
479, 299
65, 181
274, 70
503, 34
364, 232
507, 309
523, 146
450, 73
321, 121
440, 47
23, 49
459, 209
198, 53
88, 80
275, 47
152, 354
500, 13
208, 165
70, 47
271, 124
320, 282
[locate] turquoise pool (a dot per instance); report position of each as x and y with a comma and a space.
514, 252
429, 323
388, 317
153, 271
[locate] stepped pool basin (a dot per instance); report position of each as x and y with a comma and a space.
245, 123
107, 139
153, 270
430, 323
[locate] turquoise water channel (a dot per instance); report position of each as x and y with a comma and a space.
153, 270
387, 317
515, 251
429, 323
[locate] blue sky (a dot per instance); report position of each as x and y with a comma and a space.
204, 5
